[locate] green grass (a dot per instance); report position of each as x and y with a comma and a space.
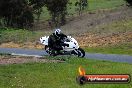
108, 29
114, 27
22, 35
125, 48
59, 75
104, 4
19, 35
92, 6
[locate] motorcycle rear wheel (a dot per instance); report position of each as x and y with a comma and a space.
47, 49
50, 51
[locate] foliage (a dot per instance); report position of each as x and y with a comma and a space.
16, 13
82, 4
20, 13
129, 2
58, 11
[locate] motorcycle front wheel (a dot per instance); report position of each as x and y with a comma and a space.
81, 52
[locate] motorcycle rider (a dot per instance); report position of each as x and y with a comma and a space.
55, 41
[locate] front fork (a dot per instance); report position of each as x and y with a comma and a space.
75, 52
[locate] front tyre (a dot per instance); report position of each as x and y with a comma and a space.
81, 52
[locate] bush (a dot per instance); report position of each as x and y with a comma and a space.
129, 2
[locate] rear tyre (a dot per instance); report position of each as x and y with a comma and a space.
50, 51
47, 49
81, 52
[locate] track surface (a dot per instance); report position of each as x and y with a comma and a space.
29, 52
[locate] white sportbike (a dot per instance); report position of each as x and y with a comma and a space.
72, 48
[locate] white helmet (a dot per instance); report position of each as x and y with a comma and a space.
57, 32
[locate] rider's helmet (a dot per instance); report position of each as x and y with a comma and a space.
57, 32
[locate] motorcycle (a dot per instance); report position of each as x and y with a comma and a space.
72, 48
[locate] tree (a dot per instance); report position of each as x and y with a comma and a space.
19, 13
16, 13
129, 2
58, 11
82, 4
37, 7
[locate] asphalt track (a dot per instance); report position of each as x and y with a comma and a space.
97, 56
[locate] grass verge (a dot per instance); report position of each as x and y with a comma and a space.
114, 27
19, 35
125, 48
59, 75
